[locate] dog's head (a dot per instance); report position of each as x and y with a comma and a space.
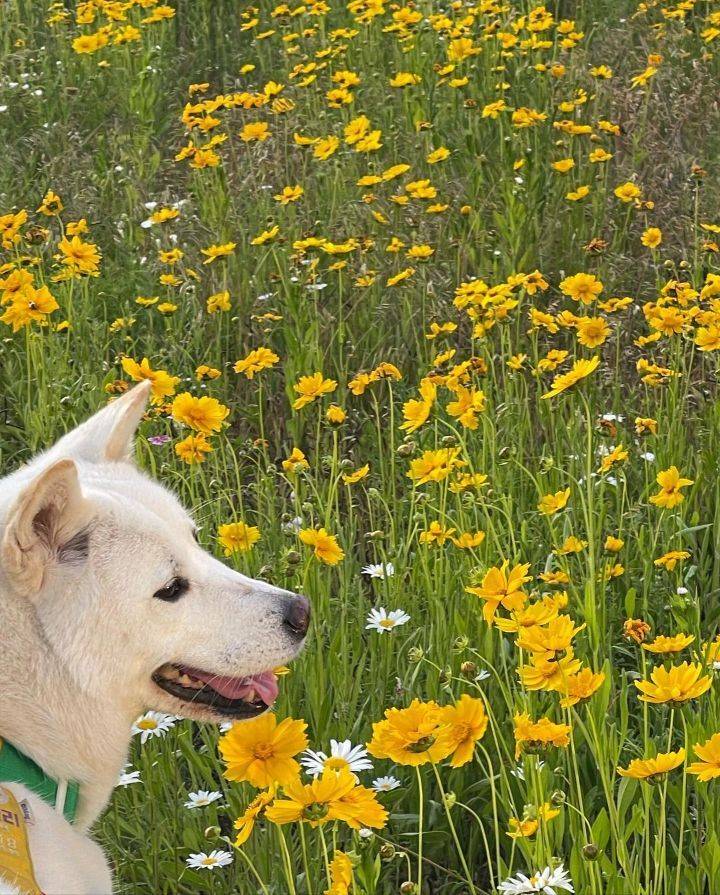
134, 608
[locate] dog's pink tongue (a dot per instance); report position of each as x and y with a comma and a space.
261, 686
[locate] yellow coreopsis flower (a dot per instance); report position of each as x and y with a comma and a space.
537, 736
213, 252
549, 673
204, 414
413, 736
580, 687
353, 477
553, 503
255, 362
237, 537
674, 685
674, 644
325, 546
262, 751
193, 449
335, 795
580, 369
434, 466
670, 482
550, 640
653, 769
162, 384
583, 287
468, 722
501, 587
709, 754
670, 559
297, 460
246, 822
311, 387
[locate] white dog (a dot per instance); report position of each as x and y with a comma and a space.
109, 607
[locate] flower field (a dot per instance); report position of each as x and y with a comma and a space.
429, 296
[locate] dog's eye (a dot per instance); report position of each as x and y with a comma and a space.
173, 590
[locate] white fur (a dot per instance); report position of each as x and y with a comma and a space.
81, 637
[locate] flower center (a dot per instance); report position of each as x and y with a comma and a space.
315, 811
421, 745
147, 724
264, 751
336, 763
386, 623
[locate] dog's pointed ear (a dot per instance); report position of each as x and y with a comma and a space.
110, 433
48, 523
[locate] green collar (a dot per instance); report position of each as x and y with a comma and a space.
18, 768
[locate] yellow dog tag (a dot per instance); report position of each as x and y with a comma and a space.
15, 862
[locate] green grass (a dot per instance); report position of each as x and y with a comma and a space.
103, 134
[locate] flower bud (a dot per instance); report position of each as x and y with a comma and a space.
404, 450
387, 852
212, 832
590, 852
415, 655
408, 888
447, 440
293, 558
558, 797
468, 670
460, 643
449, 800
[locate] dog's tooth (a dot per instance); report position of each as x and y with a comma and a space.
170, 673
185, 680
249, 697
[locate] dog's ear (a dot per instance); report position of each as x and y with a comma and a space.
48, 523
110, 433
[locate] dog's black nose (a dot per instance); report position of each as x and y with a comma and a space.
297, 615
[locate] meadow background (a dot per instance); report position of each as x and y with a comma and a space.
536, 144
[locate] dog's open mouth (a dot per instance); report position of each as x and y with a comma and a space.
233, 697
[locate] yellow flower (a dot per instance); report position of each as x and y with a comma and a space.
311, 387
434, 466
537, 736
583, 287
709, 754
255, 131
592, 331
297, 460
468, 539
237, 537
262, 751
613, 544
413, 736
193, 449
52, 203
580, 369
675, 644
246, 822
571, 544
550, 640
674, 685
220, 301
335, 795
204, 414
214, 252
670, 482
627, 192
468, 722
549, 673
335, 415
289, 194
266, 236
28, 306
653, 770
580, 687
326, 547
162, 384
670, 559
553, 503
353, 477
501, 587
652, 237
341, 874
258, 360
436, 534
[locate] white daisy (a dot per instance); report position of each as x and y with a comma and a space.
293, 526
342, 755
544, 882
153, 724
381, 620
386, 784
216, 858
379, 570
202, 798
128, 777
